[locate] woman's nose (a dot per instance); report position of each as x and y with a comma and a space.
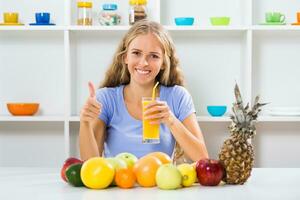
143, 61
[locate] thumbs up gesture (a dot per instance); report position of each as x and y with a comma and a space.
92, 109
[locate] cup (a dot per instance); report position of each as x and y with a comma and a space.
298, 17
150, 131
42, 18
274, 17
11, 17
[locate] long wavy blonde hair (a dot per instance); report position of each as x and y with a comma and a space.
118, 74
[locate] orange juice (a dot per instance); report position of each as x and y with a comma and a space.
150, 131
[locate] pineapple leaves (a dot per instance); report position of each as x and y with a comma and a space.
243, 117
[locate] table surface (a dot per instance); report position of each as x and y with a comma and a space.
45, 183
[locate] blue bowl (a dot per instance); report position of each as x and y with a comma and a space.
184, 21
216, 111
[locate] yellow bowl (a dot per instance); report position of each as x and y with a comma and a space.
20, 109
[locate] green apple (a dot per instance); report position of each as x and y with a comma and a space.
129, 158
188, 173
117, 163
168, 177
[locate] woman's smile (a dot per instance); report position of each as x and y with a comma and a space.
142, 72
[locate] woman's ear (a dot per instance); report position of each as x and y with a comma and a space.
125, 59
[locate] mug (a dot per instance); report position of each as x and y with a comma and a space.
11, 17
42, 18
274, 17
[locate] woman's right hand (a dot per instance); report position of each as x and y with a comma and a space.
92, 108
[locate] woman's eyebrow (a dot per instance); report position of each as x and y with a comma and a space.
135, 49
153, 52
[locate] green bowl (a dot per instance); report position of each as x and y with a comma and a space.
220, 21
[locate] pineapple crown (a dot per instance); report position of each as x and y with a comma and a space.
243, 118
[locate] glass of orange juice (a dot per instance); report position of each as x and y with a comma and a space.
150, 131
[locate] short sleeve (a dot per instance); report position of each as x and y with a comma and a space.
183, 103
102, 97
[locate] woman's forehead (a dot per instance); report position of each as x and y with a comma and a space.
147, 42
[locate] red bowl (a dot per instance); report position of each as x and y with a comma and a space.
20, 109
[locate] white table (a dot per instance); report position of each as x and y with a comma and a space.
45, 183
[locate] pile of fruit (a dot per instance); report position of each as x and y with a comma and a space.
126, 171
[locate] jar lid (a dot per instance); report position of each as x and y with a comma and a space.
137, 2
84, 4
109, 6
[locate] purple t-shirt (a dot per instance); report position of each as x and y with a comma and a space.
124, 133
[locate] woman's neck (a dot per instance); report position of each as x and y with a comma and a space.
134, 93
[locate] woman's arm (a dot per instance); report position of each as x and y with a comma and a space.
187, 133
189, 136
92, 129
91, 138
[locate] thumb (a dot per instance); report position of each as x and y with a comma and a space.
92, 89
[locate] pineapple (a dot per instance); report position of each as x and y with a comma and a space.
237, 154
179, 156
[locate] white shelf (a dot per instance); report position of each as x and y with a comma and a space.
279, 119
98, 28
213, 119
275, 28
199, 118
168, 27
260, 119
32, 119
74, 119
33, 28
207, 28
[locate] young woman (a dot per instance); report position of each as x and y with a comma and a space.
111, 119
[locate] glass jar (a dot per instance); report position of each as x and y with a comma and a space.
84, 13
109, 15
137, 10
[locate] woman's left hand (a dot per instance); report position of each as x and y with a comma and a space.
159, 112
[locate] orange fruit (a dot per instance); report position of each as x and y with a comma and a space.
125, 178
145, 170
163, 157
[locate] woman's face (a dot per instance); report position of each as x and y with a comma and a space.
144, 59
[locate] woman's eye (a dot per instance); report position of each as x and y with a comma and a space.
136, 53
154, 56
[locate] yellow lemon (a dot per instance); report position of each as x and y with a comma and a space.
97, 173
188, 173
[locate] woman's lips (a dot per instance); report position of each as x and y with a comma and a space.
143, 72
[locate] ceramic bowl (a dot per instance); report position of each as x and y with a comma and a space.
217, 111
220, 21
20, 109
184, 21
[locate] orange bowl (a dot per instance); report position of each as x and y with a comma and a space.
22, 108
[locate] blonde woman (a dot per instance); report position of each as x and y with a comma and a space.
111, 119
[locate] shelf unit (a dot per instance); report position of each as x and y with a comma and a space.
199, 118
52, 65
168, 27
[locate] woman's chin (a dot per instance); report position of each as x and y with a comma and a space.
144, 81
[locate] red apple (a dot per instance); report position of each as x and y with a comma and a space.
67, 163
209, 172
